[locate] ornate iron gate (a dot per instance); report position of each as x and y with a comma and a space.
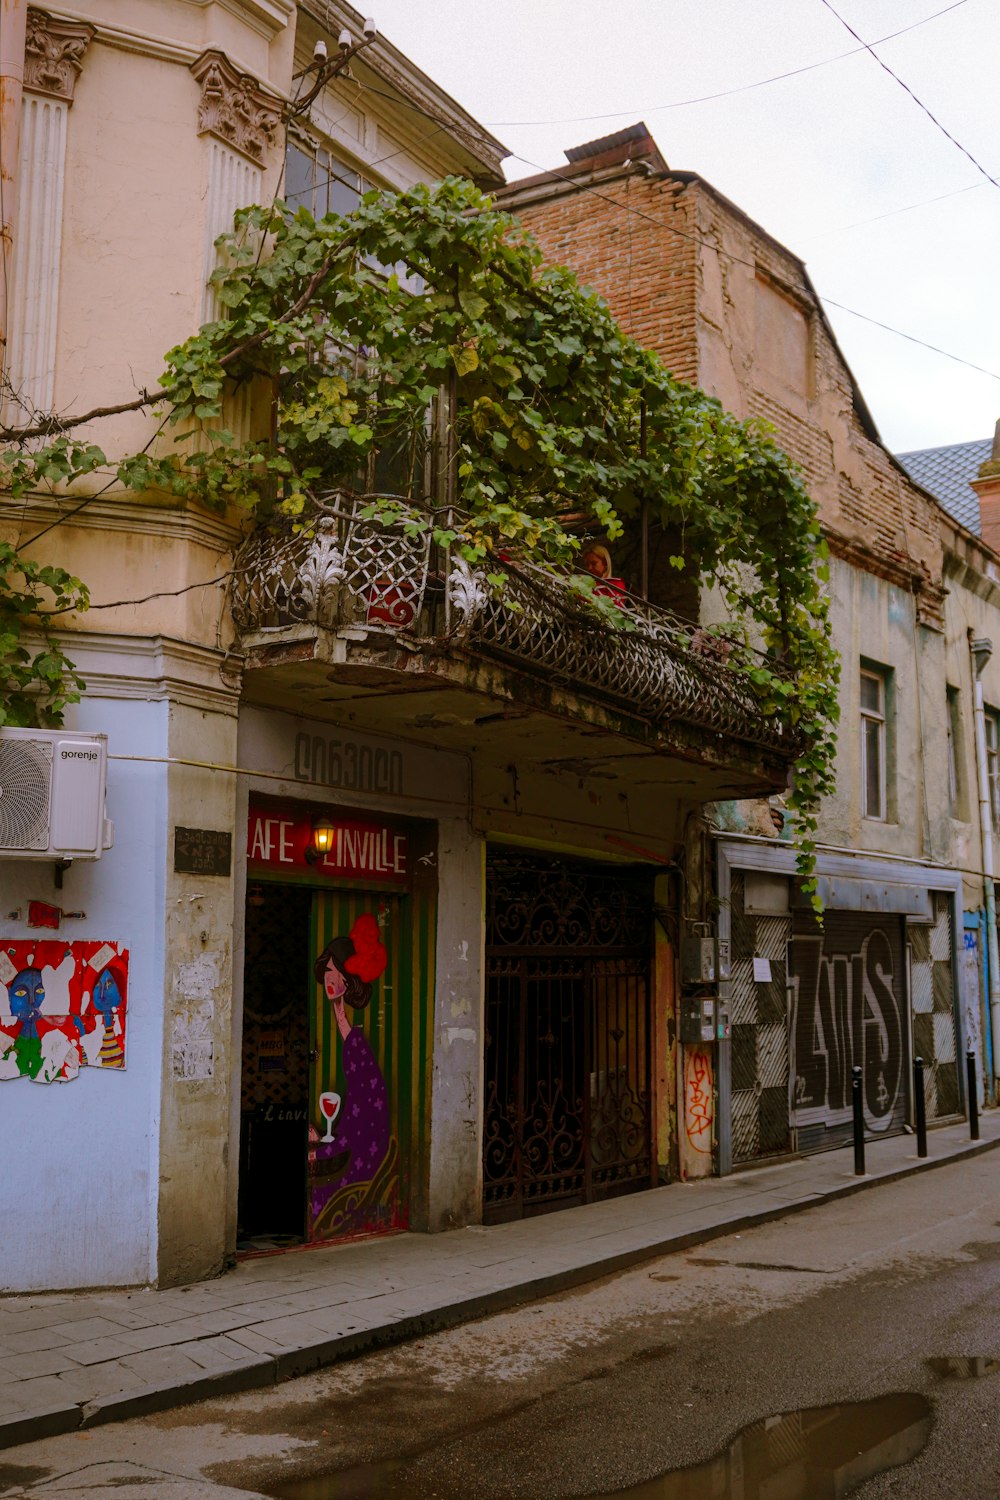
568, 1067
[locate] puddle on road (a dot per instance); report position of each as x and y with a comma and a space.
823, 1450
964, 1367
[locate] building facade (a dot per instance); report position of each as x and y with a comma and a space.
389, 932
899, 968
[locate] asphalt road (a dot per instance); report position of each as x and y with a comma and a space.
613, 1387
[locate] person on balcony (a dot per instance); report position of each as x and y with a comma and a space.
595, 559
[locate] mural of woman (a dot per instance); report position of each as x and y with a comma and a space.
361, 1154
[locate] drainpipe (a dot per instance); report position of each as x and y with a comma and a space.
13, 31
982, 650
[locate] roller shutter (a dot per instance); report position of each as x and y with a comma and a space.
848, 1006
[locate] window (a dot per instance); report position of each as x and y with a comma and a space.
993, 764
319, 181
957, 774
873, 741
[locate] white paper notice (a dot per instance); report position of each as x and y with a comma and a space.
762, 970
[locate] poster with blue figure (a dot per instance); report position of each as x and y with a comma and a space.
63, 1007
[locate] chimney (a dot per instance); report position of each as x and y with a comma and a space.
633, 145
987, 487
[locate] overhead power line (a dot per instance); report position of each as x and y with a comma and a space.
935, 349
627, 208
741, 260
742, 88
870, 48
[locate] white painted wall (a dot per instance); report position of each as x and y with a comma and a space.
79, 1180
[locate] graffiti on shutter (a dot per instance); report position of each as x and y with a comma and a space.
848, 987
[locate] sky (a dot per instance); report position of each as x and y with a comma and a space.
892, 218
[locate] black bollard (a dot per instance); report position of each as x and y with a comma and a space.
858, 1107
920, 1105
970, 1073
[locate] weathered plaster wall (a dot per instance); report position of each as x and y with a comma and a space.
457, 1106
198, 1067
607, 811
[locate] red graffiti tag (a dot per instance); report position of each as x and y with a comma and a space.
698, 1102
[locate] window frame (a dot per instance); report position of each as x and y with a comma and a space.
958, 776
991, 722
879, 718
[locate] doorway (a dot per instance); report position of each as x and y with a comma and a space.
274, 1092
569, 1116
337, 1038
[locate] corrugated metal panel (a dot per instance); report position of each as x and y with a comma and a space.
759, 1031
848, 1008
933, 1001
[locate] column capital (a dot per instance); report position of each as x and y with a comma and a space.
234, 107
53, 54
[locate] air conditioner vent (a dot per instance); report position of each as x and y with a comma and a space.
25, 780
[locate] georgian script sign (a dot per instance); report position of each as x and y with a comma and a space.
202, 851
374, 851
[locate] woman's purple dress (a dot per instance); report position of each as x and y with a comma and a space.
362, 1126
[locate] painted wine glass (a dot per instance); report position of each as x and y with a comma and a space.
329, 1108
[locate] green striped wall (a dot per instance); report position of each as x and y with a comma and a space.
398, 1025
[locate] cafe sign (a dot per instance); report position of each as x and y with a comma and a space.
370, 851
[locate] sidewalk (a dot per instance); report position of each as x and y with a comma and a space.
70, 1360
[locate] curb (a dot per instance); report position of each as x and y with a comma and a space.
256, 1373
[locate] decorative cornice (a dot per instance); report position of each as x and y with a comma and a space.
53, 54
234, 107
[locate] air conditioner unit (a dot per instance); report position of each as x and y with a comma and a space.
52, 785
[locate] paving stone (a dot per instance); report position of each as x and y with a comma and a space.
159, 1367
35, 1340
251, 1339
40, 1394
86, 1382
99, 1350
15, 1319
44, 1362
254, 1374
216, 1353
89, 1328
205, 1324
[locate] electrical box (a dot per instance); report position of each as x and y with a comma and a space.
705, 1018
704, 960
697, 1019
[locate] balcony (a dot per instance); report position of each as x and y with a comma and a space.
370, 606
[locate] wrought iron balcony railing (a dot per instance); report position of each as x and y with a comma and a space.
355, 575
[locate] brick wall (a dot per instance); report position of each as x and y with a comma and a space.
724, 306
646, 271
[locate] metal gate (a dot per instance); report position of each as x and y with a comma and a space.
568, 1066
